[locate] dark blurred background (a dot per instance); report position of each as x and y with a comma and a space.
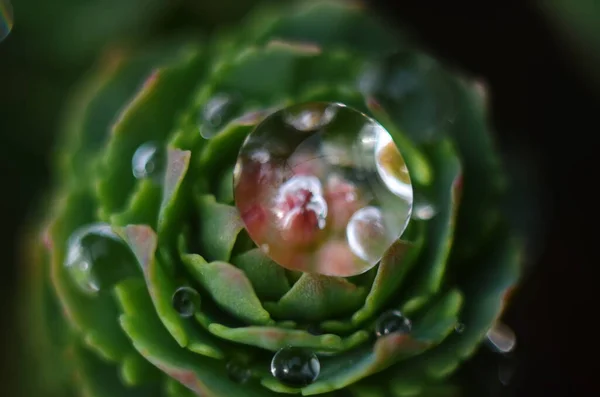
541, 62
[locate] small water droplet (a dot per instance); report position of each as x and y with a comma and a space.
460, 328
501, 338
217, 112
414, 90
392, 321
149, 161
330, 195
295, 367
423, 209
238, 372
6, 18
97, 258
186, 301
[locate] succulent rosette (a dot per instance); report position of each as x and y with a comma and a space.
303, 204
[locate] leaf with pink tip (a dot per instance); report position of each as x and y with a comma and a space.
230, 289
171, 207
142, 240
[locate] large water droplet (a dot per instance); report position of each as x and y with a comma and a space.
149, 161
238, 372
392, 321
97, 258
414, 90
295, 367
186, 301
501, 338
6, 18
324, 187
217, 112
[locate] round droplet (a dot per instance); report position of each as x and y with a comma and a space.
217, 112
295, 367
501, 338
97, 258
414, 90
238, 372
6, 18
460, 328
186, 301
392, 321
423, 209
149, 161
324, 187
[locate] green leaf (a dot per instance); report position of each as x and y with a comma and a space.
136, 371
330, 24
219, 226
94, 317
275, 338
142, 207
267, 277
391, 271
204, 376
315, 297
229, 287
142, 240
149, 116
431, 265
172, 206
99, 379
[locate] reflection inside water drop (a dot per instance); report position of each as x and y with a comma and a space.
392, 321
6, 18
97, 258
149, 161
186, 301
217, 112
327, 189
295, 367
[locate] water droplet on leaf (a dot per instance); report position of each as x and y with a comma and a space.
392, 321
149, 161
186, 301
328, 192
501, 338
414, 91
238, 372
6, 18
97, 258
217, 112
295, 367
423, 209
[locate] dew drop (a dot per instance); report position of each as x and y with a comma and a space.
460, 328
392, 321
414, 90
295, 367
6, 18
217, 112
325, 187
238, 372
423, 210
97, 258
186, 301
149, 161
501, 338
